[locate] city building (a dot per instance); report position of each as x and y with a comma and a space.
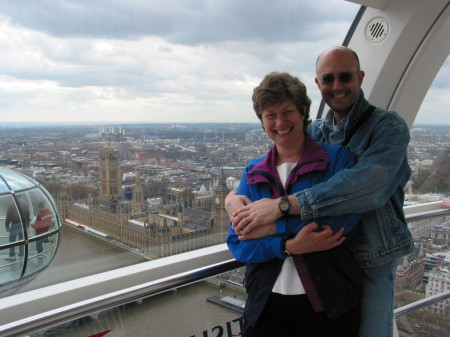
440, 234
439, 282
410, 269
433, 261
154, 230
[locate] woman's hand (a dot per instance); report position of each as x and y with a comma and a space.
261, 212
234, 201
258, 232
307, 240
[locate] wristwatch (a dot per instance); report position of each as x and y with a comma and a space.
286, 252
284, 205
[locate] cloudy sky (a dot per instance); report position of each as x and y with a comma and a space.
160, 60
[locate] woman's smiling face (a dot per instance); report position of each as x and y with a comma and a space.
284, 124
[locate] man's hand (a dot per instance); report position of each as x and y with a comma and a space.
308, 241
234, 201
445, 203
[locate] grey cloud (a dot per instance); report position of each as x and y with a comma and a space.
178, 21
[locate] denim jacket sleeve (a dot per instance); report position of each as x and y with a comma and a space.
348, 222
380, 146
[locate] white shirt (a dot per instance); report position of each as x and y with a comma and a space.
288, 282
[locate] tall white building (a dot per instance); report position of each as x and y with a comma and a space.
438, 282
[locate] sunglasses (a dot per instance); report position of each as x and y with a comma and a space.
344, 77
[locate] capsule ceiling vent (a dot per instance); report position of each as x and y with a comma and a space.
377, 30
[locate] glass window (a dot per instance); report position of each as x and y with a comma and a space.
118, 62
124, 62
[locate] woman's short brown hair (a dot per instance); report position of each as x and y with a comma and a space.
276, 88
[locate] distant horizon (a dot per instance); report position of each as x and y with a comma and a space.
105, 123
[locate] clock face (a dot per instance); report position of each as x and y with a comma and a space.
217, 200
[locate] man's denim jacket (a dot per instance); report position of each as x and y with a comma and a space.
374, 186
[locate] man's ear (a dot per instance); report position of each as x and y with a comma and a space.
317, 81
361, 75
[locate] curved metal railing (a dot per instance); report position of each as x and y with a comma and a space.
52, 305
421, 303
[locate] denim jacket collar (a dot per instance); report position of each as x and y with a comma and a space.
355, 114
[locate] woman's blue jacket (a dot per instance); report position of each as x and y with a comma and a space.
335, 273
260, 180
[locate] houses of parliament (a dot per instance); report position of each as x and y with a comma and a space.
154, 232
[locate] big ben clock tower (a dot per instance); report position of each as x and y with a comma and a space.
220, 215
110, 175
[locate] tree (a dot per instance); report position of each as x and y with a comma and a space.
52, 187
437, 179
158, 188
78, 191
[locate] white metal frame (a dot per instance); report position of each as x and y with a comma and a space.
69, 300
73, 299
401, 68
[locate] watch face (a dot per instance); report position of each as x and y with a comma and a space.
284, 206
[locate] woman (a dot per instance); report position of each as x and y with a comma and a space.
293, 294
44, 218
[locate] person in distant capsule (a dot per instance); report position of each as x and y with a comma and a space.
41, 224
301, 279
13, 223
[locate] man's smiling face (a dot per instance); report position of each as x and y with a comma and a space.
339, 79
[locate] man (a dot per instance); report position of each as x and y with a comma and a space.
13, 224
374, 186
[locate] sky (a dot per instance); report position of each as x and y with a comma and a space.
163, 60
